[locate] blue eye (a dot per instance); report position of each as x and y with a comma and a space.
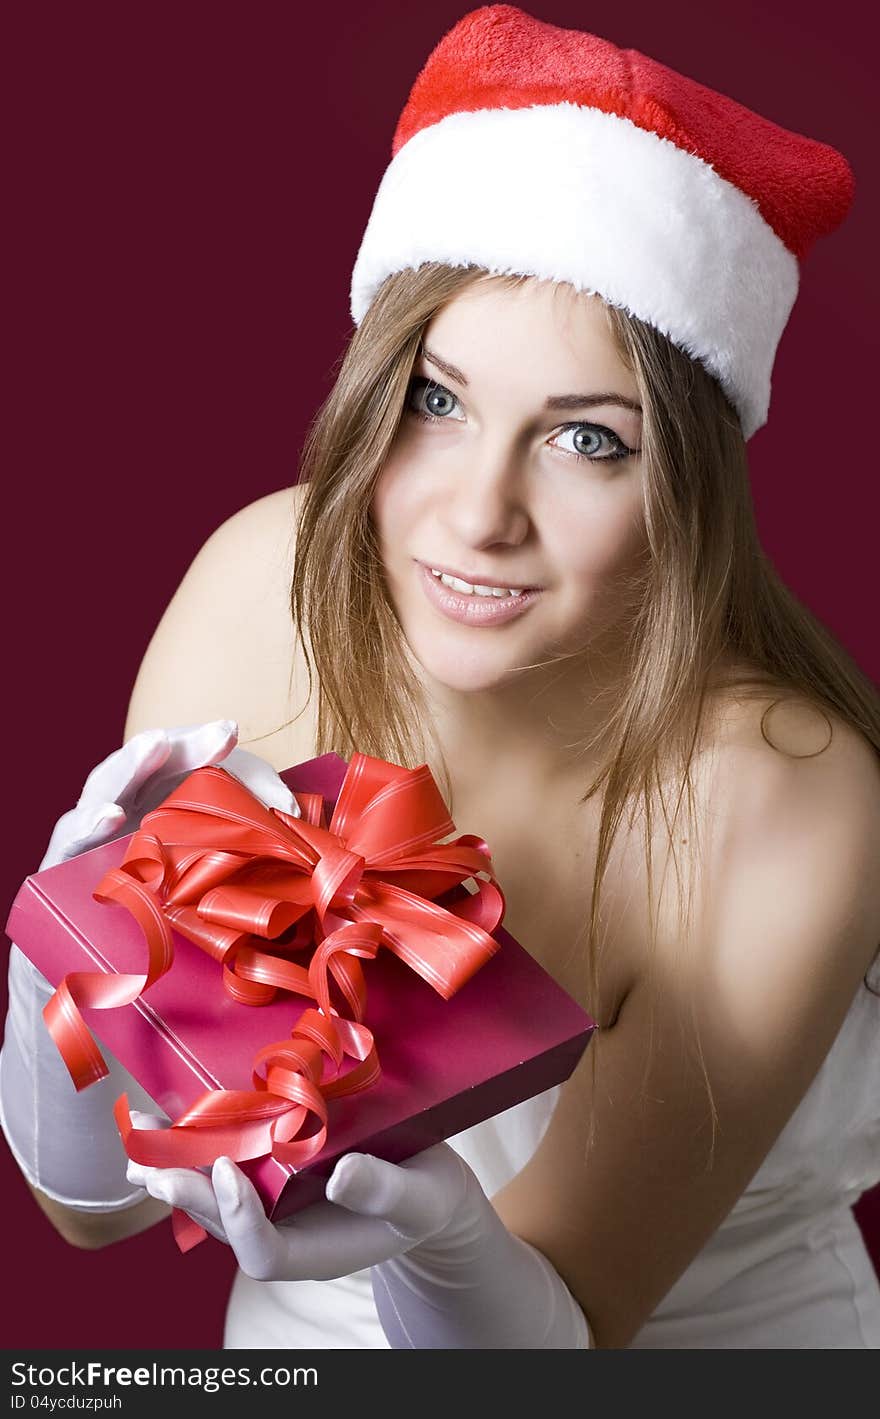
598, 444
437, 398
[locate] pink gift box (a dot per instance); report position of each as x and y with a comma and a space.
509, 1033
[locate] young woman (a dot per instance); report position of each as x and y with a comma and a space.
524, 554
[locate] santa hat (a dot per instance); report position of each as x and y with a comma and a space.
531, 149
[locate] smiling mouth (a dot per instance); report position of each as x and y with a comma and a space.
467, 586
475, 608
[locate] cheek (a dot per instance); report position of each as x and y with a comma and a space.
392, 506
608, 537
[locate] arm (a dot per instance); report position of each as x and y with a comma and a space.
223, 641
787, 921
32, 1077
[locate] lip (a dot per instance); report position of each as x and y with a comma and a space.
473, 610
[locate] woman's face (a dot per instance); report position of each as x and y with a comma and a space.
514, 482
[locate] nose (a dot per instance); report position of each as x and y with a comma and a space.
485, 500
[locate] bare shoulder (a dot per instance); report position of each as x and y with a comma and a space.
226, 645
790, 799
785, 800
768, 730
782, 759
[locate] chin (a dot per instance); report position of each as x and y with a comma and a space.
461, 682
467, 670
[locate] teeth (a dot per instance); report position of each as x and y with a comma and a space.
456, 584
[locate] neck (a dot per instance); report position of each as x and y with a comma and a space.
539, 737
540, 733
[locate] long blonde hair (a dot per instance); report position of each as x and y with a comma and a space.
708, 588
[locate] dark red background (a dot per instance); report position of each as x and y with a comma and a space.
186, 190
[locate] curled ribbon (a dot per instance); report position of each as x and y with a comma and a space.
214, 864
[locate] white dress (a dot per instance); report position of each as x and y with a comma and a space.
787, 1268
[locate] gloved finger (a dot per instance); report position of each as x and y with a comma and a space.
262, 780
78, 831
416, 1198
257, 1244
195, 745
189, 1190
320, 1243
138, 1172
118, 777
191, 746
144, 1121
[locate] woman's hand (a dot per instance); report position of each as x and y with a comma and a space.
446, 1273
135, 779
374, 1210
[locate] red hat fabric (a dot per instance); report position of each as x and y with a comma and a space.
532, 149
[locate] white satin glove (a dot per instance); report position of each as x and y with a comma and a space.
135, 779
67, 1143
446, 1272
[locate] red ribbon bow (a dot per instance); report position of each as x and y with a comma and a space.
221, 869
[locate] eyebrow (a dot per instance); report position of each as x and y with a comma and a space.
553, 401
